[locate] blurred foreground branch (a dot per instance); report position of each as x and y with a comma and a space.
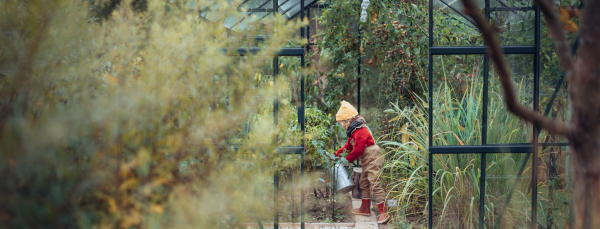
583, 131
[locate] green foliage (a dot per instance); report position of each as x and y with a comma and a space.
319, 136
391, 47
395, 33
400, 220
456, 177
125, 122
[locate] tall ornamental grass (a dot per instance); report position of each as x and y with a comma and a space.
457, 121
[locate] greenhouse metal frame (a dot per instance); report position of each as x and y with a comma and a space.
485, 148
290, 9
294, 8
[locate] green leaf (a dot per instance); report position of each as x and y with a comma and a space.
314, 142
321, 151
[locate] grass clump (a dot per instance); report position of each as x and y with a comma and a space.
457, 121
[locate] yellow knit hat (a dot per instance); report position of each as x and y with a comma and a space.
346, 111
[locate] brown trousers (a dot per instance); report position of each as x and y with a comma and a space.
371, 162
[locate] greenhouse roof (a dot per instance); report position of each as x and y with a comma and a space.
254, 10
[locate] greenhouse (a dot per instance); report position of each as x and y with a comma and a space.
299, 114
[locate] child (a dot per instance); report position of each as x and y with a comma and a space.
362, 145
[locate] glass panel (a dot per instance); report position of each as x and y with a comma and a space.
262, 117
290, 78
232, 21
257, 16
510, 3
286, 6
291, 8
288, 89
314, 24
451, 27
554, 187
503, 126
248, 17
559, 109
264, 191
256, 4
264, 16
550, 77
290, 12
376, 96
514, 27
213, 16
501, 174
456, 191
240, 21
457, 108
289, 194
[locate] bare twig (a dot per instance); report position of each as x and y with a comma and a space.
510, 98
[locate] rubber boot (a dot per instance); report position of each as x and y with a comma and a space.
383, 214
365, 208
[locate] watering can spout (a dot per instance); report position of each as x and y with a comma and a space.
342, 182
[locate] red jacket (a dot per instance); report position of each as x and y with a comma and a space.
362, 138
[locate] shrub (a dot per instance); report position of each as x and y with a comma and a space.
124, 122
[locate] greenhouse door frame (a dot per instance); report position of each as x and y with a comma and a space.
298, 150
485, 148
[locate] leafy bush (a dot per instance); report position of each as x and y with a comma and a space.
124, 122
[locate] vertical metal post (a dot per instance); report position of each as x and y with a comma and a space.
430, 111
358, 70
483, 164
483, 156
275, 113
536, 98
303, 125
293, 191
276, 191
302, 18
276, 101
358, 67
275, 108
358, 94
333, 192
303, 128
308, 30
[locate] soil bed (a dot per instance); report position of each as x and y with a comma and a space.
321, 210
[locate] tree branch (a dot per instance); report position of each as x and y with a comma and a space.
510, 98
563, 49
588, 58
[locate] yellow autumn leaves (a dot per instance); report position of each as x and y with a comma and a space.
127, 118
566, 15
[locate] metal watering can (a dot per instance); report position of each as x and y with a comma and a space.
341, 182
